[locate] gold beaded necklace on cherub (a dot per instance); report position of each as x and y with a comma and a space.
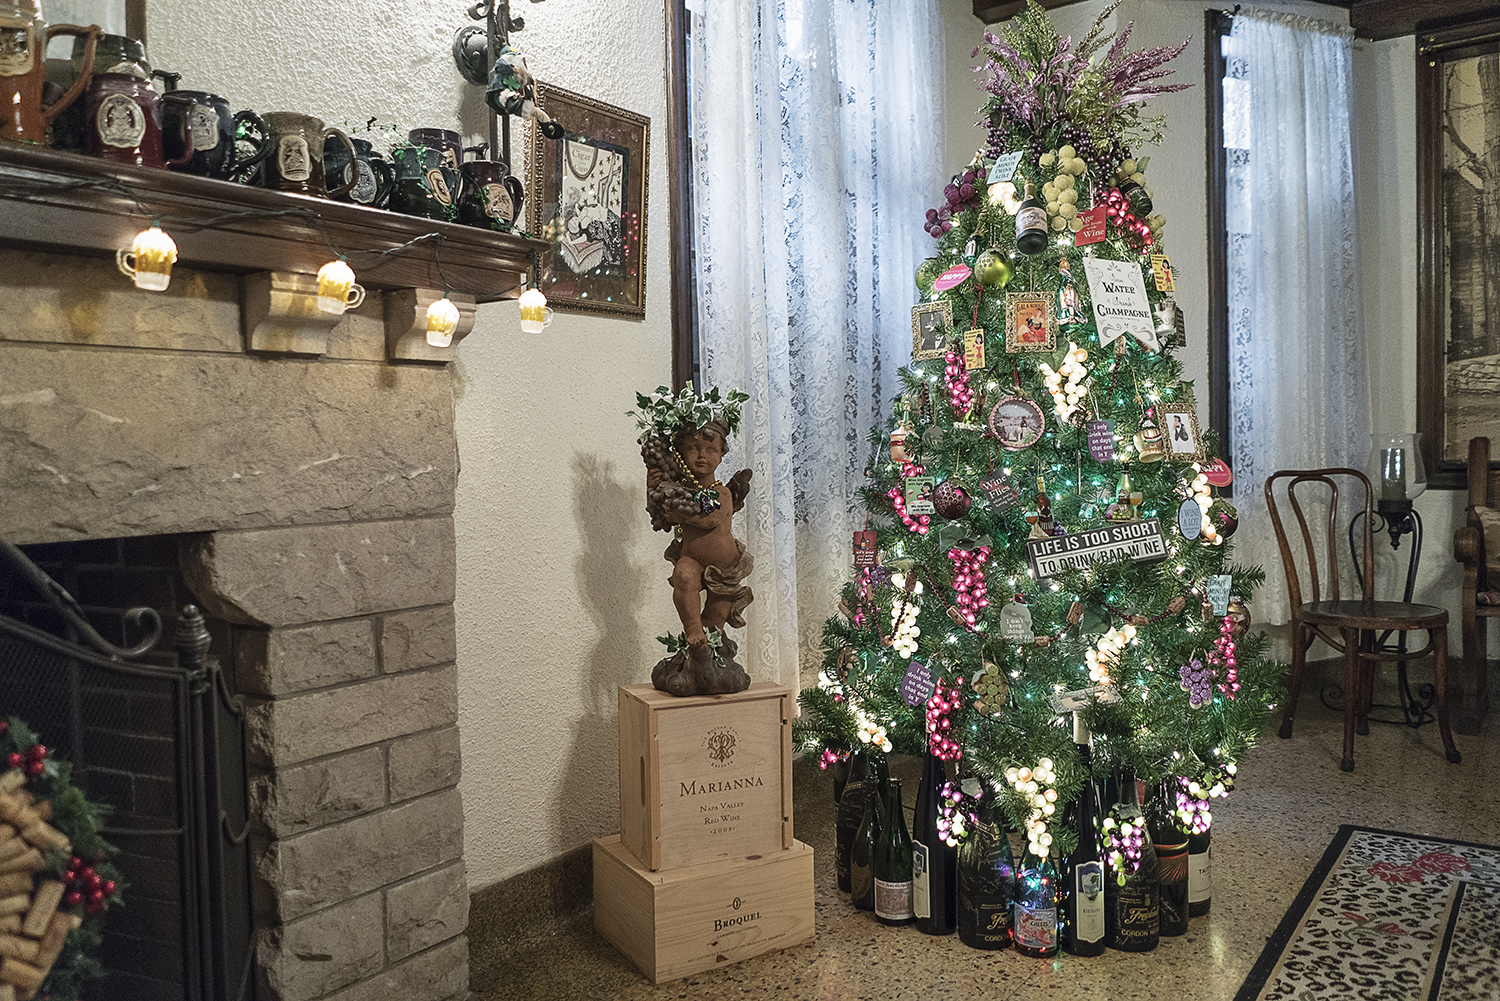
707, 497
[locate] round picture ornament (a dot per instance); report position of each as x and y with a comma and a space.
952, 278
993, 270
1017, 422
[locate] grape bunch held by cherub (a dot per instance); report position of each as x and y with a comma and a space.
683, 439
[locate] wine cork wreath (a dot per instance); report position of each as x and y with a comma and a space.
32, 929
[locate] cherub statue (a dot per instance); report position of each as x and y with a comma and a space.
684, 441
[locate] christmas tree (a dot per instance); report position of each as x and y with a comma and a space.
1043, 535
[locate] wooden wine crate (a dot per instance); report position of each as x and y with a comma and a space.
705, 777
675, 922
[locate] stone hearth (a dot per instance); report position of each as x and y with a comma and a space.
314, 500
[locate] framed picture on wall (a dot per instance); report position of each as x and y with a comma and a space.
1458, 244
587, 197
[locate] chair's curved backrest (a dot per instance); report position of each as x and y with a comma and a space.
1304, 488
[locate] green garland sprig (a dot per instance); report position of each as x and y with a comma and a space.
665, 414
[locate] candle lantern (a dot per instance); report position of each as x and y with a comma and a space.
1397, 466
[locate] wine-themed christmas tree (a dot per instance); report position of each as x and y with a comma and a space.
1045, 564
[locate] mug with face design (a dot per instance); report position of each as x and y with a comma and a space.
425, 183
295, 160
124, 119
224, 144
491, 197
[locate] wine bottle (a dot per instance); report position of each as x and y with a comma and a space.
1083, 917
851, 811
1031, 222
893, 862
840, 772
1132, 903
984, 881
1135, 195
934, 862
1172, 860
1035, 911
862, 851
1200, 873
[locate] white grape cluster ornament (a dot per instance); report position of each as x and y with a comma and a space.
1069, 384
870, 732
1036, 784
1061, 192
1106, 653
904, 628
1198, 490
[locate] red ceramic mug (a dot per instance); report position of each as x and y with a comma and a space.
124, 122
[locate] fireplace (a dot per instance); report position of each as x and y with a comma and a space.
156, 736
303, 488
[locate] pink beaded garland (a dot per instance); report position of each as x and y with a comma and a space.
956, 377
940, 706
897, 495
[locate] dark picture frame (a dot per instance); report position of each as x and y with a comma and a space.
587, 197
1451, 250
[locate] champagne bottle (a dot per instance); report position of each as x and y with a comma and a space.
984, 881
1035, 912
840, 772
1172, 860
1132, 904
934, 862
862, 851
851, 811
1135, 195
1200, 873
893, 862
1031, 222
1083, 922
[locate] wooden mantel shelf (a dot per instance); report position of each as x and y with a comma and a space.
65, 202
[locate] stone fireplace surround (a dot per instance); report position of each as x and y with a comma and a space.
314, 499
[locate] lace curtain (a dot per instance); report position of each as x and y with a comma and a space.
1299, 392
816, 128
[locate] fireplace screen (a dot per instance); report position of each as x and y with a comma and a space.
159, 738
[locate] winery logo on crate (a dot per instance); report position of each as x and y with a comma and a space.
735, 920
720, 743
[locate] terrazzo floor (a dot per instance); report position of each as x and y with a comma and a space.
1268, 836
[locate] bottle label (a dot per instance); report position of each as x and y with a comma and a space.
1138, 910
1036, 927
1031, 217
1173, 860
1200, 877
893, 900
860, 877
1088, 894
921, 884
992, 921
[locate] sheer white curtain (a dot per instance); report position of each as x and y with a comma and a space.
1299, 390
816, 129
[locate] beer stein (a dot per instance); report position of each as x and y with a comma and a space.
23, 69
124, 119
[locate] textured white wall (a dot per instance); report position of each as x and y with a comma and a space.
561, 586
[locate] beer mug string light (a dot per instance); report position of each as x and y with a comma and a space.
442, 321
149, 259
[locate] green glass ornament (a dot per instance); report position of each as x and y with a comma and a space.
993, 270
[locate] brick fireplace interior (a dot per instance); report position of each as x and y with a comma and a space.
304, 500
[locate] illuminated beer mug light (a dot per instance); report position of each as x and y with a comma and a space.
535, 313
336, 288
149, 260
442, 321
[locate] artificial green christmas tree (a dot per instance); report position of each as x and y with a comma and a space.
1043, 538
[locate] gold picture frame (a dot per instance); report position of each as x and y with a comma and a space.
928, 321
1030, 324
1179, 428
587, 198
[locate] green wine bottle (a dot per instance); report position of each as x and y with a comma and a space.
893, 862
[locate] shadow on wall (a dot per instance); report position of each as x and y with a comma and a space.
611, 586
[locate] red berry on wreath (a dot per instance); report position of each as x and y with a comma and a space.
34, 768
96, 897
4, 725
109, 887
75, 863
72, 898
14, 759
37, 751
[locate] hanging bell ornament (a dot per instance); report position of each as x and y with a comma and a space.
1150, 442
993, 270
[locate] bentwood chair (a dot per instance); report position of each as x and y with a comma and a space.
1476, 546
1348, 625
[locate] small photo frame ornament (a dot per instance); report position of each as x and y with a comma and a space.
1179, 422
1029, 323
1017, 422
928, 321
